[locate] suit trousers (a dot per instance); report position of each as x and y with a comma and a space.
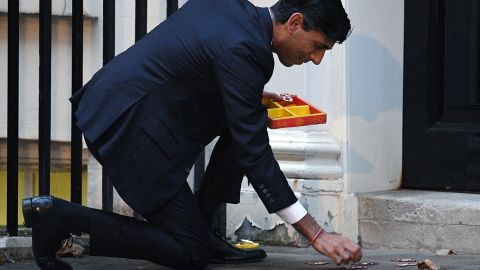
175, 234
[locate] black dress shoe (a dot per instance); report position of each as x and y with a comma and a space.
224, 253
47, 237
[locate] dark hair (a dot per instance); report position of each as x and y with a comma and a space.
327, 16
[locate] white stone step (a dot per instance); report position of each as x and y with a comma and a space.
422, 220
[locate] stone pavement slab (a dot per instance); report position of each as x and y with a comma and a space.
278, 258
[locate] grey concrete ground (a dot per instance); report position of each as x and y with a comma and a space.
278, 258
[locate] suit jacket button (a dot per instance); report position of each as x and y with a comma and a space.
262, 186
265, 190
272, 200
269, 195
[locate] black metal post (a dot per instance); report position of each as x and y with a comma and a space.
108, 54
172, 6
108, 30
198, 171
140, 31
77, 82
140, 19
220, 220
12, 121
44, 123
107, 193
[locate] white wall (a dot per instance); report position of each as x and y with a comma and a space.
360, 86
374, 64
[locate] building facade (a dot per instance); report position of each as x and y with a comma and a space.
347, 173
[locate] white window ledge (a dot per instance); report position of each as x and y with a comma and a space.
91, 8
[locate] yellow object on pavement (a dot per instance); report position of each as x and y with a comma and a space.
247, 244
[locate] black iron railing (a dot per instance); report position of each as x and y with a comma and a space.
45, 52
108, 54
12, 119
77, 82
45, 87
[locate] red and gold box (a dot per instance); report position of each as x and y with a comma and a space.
293, 114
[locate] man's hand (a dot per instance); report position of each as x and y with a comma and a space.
338, 248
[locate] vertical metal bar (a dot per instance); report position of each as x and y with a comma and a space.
172, 6
44, 134
107, 193
473, 52
219, 222
77, 82
140, 19
108, 54
12, 121
108, 30
199, 171
140, 31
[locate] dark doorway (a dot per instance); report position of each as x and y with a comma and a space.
441, 131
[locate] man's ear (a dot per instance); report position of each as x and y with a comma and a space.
294, 22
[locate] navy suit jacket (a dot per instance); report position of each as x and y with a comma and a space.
201, 72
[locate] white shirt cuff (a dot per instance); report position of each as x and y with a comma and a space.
293, 213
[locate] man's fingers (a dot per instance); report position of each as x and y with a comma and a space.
348, 251
344, 254
346, 257
339, 249
337, 259
342, 259
277, 97
330, 252
358, 256
355, 251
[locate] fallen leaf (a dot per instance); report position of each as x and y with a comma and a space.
444, 252
427, 264
405, 264
5, 259
317, 263
73, 250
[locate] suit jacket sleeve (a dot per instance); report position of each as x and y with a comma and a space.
241, 74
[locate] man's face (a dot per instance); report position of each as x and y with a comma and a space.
299, 46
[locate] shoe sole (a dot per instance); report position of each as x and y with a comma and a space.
27, 212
